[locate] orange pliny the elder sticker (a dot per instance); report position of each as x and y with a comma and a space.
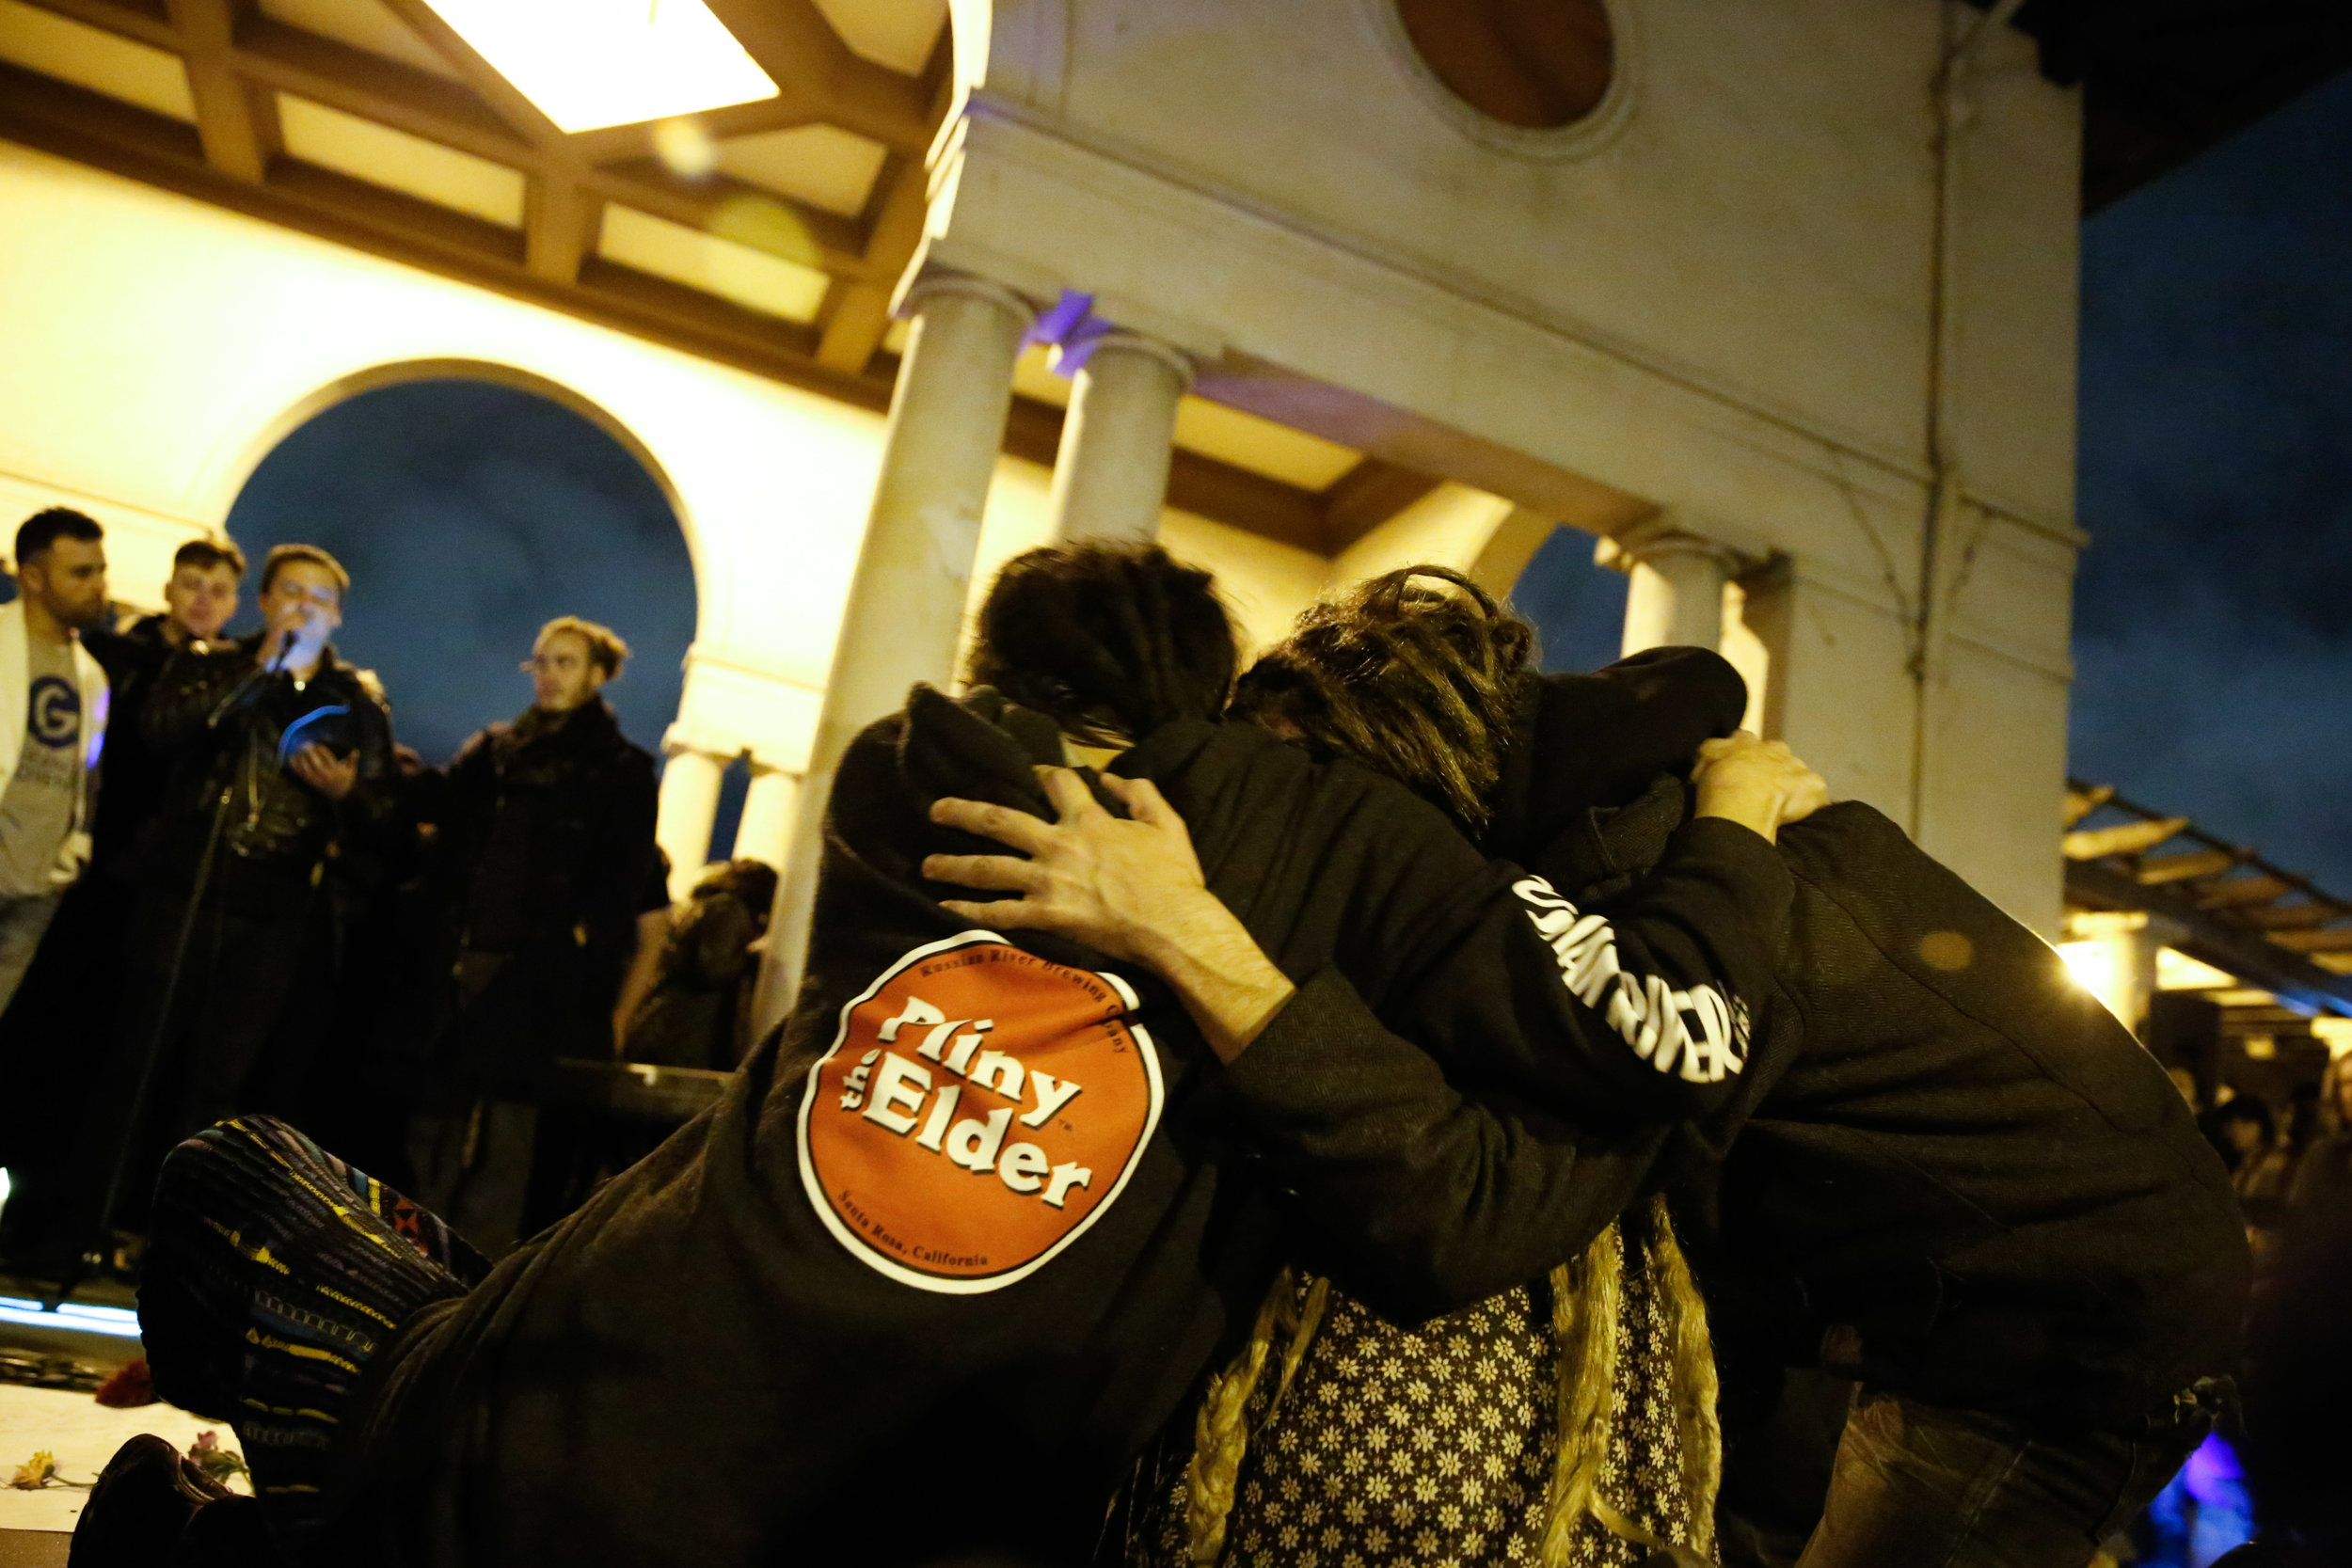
980, 1108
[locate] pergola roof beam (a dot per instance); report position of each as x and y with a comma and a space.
239, 126
2214, 940
792, 42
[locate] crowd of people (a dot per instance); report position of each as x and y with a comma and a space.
230, 889
1384, 1105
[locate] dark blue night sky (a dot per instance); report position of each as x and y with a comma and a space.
469, 515
2213, 610
2213, 615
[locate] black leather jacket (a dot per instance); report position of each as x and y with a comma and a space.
228, 729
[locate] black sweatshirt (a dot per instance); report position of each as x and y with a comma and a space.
1946, 1167
934, 1305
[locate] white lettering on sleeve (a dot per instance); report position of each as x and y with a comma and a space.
1644, 1010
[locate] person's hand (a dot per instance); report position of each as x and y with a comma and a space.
1109, 883
1129, 889
323, 770
1758, 783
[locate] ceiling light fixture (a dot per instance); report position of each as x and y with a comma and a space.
592, 63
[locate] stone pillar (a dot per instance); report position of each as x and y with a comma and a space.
765, 833
905, 610
2114, 954
1110, 477
689, 808
1675, 599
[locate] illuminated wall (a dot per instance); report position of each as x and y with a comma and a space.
158, 348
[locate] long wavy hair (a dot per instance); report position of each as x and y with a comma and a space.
1417, 674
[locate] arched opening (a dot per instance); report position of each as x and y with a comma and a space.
470, 512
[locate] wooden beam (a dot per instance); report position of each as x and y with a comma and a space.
2212, 939
2124, 838
2289, 917
560, 223
797, 47
1251, 501
2333, 938
861, 319
2239, 890
613, 143
69, 122
505, 100
361, 84
239, 127
1365, 497
2082, 803
148, 22
2159, 869
88, 128
723, 205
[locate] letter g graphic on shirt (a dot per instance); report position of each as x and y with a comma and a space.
54, 713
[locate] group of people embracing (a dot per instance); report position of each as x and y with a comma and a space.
1386, 1105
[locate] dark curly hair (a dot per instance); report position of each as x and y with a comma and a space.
1417, 674
1112, 641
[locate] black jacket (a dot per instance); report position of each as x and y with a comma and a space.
546, 825
542, 856
227, 728
132, 790
1948, 1169
772, 1339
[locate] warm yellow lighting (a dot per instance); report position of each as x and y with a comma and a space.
588, 63
2333, 1033
2177, 970
2092, 964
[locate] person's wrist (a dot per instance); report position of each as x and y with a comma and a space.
1182, 929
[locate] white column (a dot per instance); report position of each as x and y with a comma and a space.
1675, 599
905, 611
687, 809
765, 833
1110, 477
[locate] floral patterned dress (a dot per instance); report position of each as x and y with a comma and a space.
1435, 1445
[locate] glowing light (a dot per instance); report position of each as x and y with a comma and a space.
685, 147
2178, 971
7, 1186
2334, 1033
591, 63
2092, 964
119, 1321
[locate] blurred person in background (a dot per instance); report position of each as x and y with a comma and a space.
692, 1012
275, 752
52, 724
82, 958
2245, 1132
544, 837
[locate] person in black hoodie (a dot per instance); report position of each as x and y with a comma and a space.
1947, 1171
544, 831
964, 1231
276, 754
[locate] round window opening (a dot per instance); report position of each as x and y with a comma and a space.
1537, 65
